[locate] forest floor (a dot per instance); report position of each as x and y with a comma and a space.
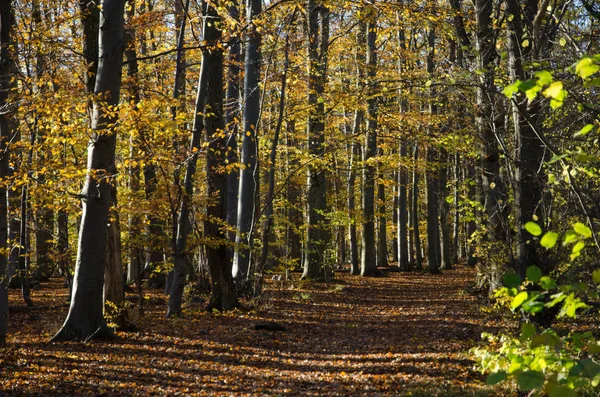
401, 334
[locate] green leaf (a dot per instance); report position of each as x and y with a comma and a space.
496, 378
578, 247
525, 43
529, 380
511, 280
570, 237
519, 299
527, 331
545, 339
584, 130
593, 348
547, 283
533, 228
511, 89
582, 230
562, 42
428, 83
554, 90
533, 273
562, 391
590, 368
533, 307
544, 77
549, 240
586, 67
596, 276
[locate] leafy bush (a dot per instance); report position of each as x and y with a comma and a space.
539, 359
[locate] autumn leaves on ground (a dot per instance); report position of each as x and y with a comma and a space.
401, 334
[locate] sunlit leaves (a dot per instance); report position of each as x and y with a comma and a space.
533, 228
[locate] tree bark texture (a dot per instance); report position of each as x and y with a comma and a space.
85, 318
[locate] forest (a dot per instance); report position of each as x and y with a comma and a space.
318, 197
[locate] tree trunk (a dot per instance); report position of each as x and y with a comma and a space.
456, 247
403, 249
415, 210
232, 110
223, 292
433, 240
368, 263
529, 149
318, 236
446, 260
85, 318
382, 250
6, 64
249, 171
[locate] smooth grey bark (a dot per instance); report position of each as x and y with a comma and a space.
433, 240
395, 201
179, 87
445, 237
6, 25
402, 243
134, 265
472, 221
85, 319
249, 159
368, 262
317, 236
415, 210
294, 214
354, 157
382, 249
232, 110
456, 246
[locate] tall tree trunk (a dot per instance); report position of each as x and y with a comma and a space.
446, 259
395, 203
456, 247
318, 236
6, 64
85, 318
355, 149
268, 225
382, 250
414, 208
294, 214
433, 240
368, 263
208, 117
223, 293
402, 243
232, 110
249, 160
529, 176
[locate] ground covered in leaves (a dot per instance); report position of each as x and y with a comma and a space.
401, 334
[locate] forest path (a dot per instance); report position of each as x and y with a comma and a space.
402, 334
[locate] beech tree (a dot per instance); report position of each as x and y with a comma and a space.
85, 319
6, 25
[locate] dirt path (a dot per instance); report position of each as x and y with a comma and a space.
404, 334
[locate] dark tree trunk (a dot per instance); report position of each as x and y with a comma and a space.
6, 25
415, 211
85, 318
318, 236
529, 176
433, 240
208, 119
456, 247
368, 263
